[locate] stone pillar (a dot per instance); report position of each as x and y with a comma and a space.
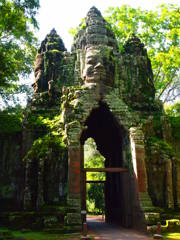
74, 191
74, 171
178, 182
139, 166
31, 184
169, 184
41, 189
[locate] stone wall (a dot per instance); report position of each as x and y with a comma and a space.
12, 172
95, 91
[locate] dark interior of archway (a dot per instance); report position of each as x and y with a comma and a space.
108, 135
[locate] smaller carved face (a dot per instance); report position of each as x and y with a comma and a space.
98, 66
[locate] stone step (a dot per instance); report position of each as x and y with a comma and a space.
145, 201
149, 209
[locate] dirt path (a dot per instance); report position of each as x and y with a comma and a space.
104, 231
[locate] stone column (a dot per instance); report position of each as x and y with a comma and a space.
139, 166
178, 182
31, 184
169, 184
74, 167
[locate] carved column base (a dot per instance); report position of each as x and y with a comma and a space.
73, 217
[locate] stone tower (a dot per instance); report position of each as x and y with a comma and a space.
99, 110
98, 92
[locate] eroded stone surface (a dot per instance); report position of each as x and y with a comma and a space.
48, 59
98, 91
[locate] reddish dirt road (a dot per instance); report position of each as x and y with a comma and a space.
103, 231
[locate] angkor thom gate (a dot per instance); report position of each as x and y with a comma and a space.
96, 109
126, 179
107, 95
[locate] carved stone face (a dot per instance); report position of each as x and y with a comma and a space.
98, 66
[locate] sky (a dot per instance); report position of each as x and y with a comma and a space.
64, 14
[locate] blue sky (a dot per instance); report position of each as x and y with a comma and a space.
64, 14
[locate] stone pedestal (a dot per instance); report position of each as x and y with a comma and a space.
74, 191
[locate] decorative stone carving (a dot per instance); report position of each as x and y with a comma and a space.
107, 95
48, 61
135, 75
97, 46
99, 66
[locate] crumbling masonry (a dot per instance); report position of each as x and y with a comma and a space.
99, 92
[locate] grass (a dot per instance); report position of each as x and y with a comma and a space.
172, 236
41, 235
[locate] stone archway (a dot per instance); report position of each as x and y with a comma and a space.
86, 107
112, 142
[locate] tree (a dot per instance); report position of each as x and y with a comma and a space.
17, 41
159, 30
95, 192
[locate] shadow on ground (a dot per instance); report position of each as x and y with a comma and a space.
101, 230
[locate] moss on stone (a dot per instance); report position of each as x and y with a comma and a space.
41, 146
157, 125
53, 139
175, 125
10, 122
161, 145
54, 234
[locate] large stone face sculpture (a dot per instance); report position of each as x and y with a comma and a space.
96, 47
99, 67
98, 61
100, 92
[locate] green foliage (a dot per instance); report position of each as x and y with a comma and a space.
175, 125
95, 192
157, 125
162, 145
44, 119
11, 120
172, 236
5, 233
17, 40
82, 25
42, 146
160, 31
173, 113
173, 110
95, 198
54, 139
93, 159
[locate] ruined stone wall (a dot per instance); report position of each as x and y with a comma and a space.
162, 162
135, 76
12, 172
68, 87
45, 157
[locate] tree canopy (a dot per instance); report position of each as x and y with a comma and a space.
17, 40
159, 30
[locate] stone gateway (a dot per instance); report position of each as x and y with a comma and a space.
98, 92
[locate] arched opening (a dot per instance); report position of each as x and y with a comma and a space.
112, 142
95, 181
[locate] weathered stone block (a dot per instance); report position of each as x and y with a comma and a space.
73, 219
152, 218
